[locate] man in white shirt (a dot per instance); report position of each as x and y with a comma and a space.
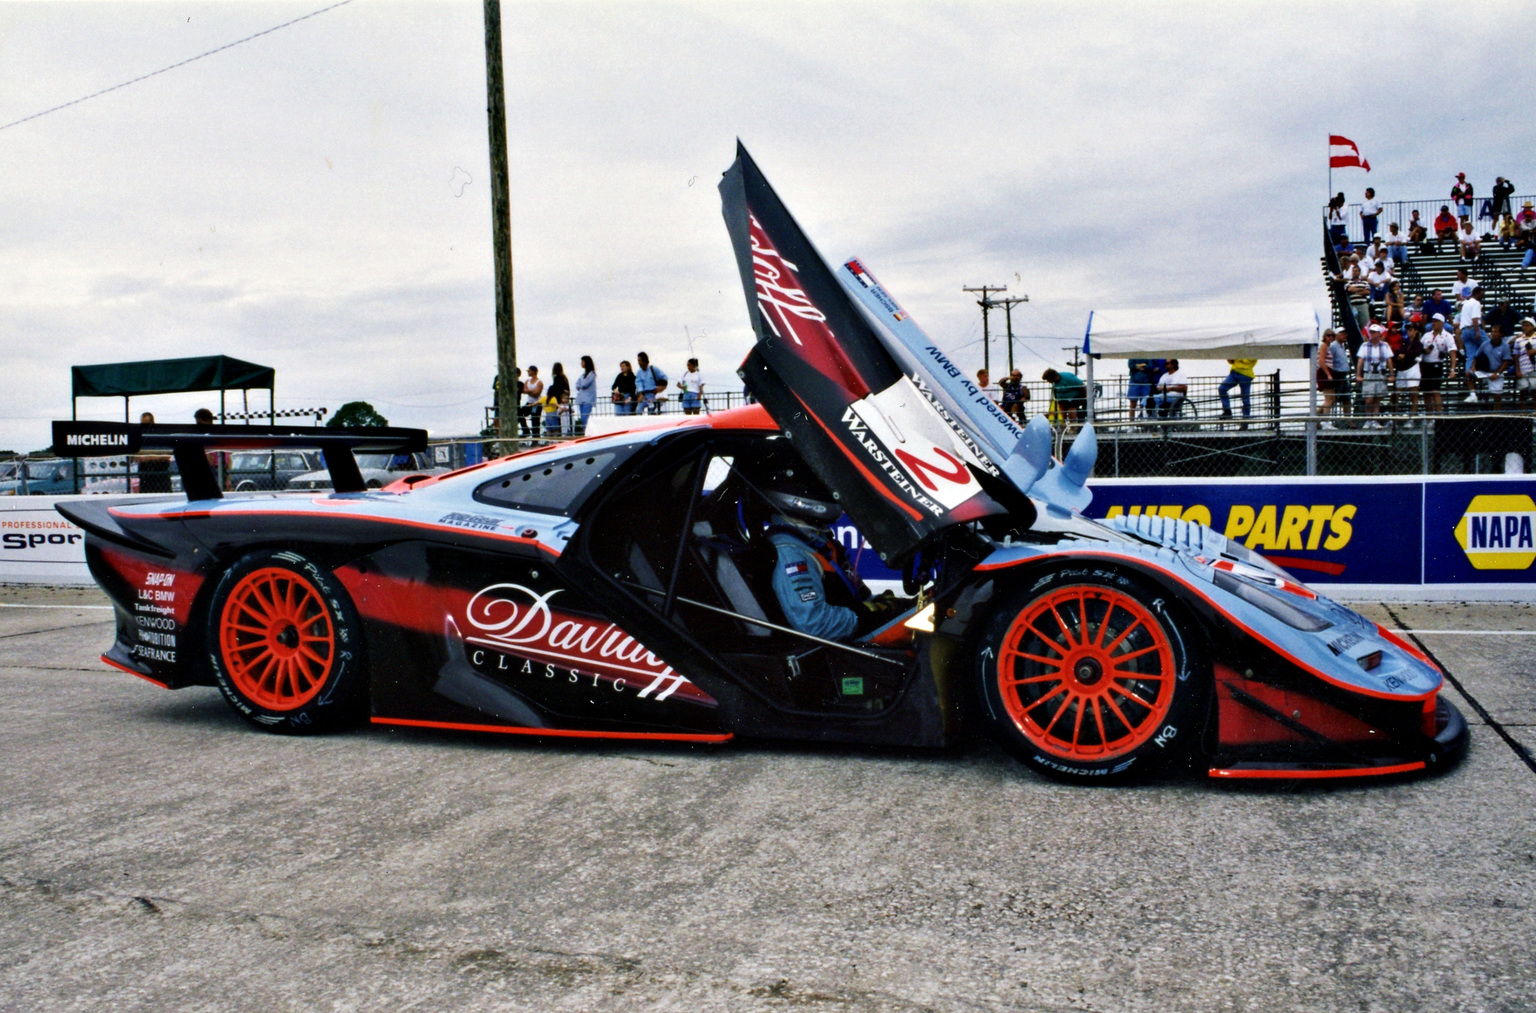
1471, 246
1397, 244
1172, 387
1464, 286
1373, 371
1370, 214
1469, 327
1438, 362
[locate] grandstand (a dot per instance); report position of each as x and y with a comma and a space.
1497, 270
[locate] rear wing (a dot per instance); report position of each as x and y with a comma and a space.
189, 445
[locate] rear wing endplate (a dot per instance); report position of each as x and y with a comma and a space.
189, 445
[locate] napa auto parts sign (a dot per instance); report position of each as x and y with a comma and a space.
1357, 531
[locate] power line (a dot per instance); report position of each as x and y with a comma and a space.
183, 63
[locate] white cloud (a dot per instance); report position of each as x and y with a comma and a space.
316, 199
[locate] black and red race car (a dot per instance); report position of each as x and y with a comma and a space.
621, 586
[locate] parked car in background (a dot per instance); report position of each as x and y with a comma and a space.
259, 470
378, 471
51, 477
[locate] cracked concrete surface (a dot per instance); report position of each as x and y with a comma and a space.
156, 854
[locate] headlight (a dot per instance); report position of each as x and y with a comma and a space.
1272, 602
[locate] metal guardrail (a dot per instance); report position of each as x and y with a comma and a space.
1401, 212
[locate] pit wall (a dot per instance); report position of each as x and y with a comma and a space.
1445, 538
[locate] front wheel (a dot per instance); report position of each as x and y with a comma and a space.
1090, 676
286, 645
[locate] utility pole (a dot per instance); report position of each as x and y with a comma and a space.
501, 228
1008, 305
986, 302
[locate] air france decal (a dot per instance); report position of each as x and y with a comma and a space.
1495, 532
514, 628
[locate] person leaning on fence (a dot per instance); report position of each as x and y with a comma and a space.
1370, 214
625, 394
1333, 366
1338, 229
560, 391
1373, 371
1138, 386
1503, 189
586, 393
1241, 377
692, 386
1523, 353
650, 384
1069, 393
533, 401
1461, 196
1014, 394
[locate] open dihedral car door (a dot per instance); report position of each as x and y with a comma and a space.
901, 465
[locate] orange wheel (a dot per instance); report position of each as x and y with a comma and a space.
286, 644
276, 639
1089, 675
1086, 673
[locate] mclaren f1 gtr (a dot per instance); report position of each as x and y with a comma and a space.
621, 586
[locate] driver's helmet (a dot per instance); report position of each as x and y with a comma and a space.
797, 494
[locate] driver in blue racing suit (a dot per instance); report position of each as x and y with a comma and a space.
813, 580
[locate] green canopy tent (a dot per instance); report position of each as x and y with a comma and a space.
169, 376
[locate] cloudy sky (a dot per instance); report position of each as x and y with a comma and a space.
316, 200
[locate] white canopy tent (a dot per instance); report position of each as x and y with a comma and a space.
1255, 331
1267, 331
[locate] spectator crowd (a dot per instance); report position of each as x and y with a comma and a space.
560, 406
1449, 345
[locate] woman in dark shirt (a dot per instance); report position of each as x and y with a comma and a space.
624, 397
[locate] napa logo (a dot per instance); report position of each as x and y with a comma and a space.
1495, 532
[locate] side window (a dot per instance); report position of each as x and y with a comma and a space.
552, 486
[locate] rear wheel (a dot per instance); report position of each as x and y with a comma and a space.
1089, 676
286, 645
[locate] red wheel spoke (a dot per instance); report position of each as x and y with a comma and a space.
1098, 718
1134, 654
1123, 634
1051, 695
1050, 642
1077, 720
1109, 701
1066, 631
1065, 706
1048, 677
1127, 693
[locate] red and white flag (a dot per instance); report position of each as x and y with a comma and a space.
1344, 154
